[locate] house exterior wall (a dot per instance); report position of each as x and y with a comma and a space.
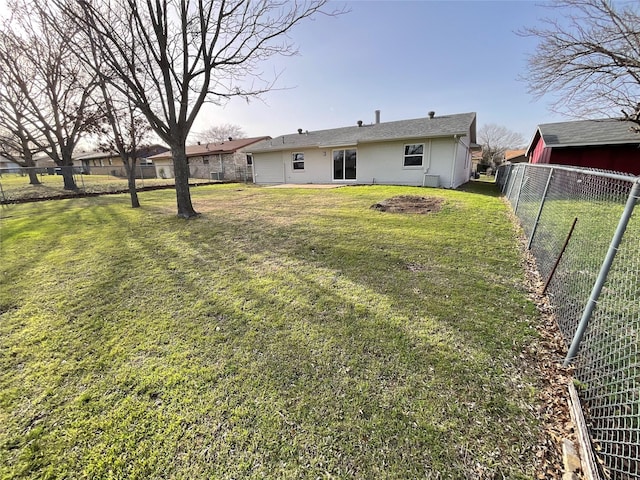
164, 167
227, 166
268, 168
462, 163
381, 162
618, 158
8, 166
540, 153
317, 166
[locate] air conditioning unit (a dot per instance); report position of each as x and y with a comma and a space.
216, 175
431, 180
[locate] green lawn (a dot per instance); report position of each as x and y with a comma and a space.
283, 334
14, 186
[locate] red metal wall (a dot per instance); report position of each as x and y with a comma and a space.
540, 153
619, 158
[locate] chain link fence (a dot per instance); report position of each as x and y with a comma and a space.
22, 183
584, 233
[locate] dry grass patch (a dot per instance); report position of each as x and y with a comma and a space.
409, 204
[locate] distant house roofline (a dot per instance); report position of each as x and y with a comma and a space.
213, 148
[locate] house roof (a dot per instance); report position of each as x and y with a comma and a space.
199, 150
606, 131
438, 126
142, 152
95, 155
509, 154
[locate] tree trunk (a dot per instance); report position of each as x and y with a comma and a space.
67, 177
181, 173
130, 167
33, 177
29, 163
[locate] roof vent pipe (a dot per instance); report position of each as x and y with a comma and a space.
432, 114
230, 139
377, 116
300, 131
359, 123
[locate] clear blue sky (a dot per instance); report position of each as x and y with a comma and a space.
404, 58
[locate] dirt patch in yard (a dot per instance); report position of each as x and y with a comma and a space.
409, 204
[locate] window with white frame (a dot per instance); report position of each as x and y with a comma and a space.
413, 155
298, 161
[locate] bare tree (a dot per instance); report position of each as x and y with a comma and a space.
590, 58
50, 92
219, 133
495, 140
14, 140
128, 129
170, 56
127, 126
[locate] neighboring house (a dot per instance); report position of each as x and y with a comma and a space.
476, 160
110, 163
8, 166
606, 144
433, 151
515, 156
42, 160
215, 161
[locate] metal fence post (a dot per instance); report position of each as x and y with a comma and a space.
537, 221
506, 177
524, 173
634, 195
510, 186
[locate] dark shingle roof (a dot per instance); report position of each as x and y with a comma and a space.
588, 132
212, 148
438, 126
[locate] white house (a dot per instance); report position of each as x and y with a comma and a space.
432, 151
9, 166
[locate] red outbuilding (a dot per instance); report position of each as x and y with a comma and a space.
607, 144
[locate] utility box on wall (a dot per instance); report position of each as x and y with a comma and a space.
431, 180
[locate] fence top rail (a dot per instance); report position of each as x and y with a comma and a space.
596, 173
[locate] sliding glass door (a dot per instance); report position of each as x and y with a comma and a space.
344, 164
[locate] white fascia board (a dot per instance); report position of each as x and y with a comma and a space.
339, 145
530, 144
455, 136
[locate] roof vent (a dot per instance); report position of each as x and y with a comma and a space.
432, 114
230, 139
300, 131
359, 123
198, 143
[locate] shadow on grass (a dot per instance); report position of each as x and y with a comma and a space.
481, 187
350, 342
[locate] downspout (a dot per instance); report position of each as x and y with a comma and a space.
455, 155
427, 166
